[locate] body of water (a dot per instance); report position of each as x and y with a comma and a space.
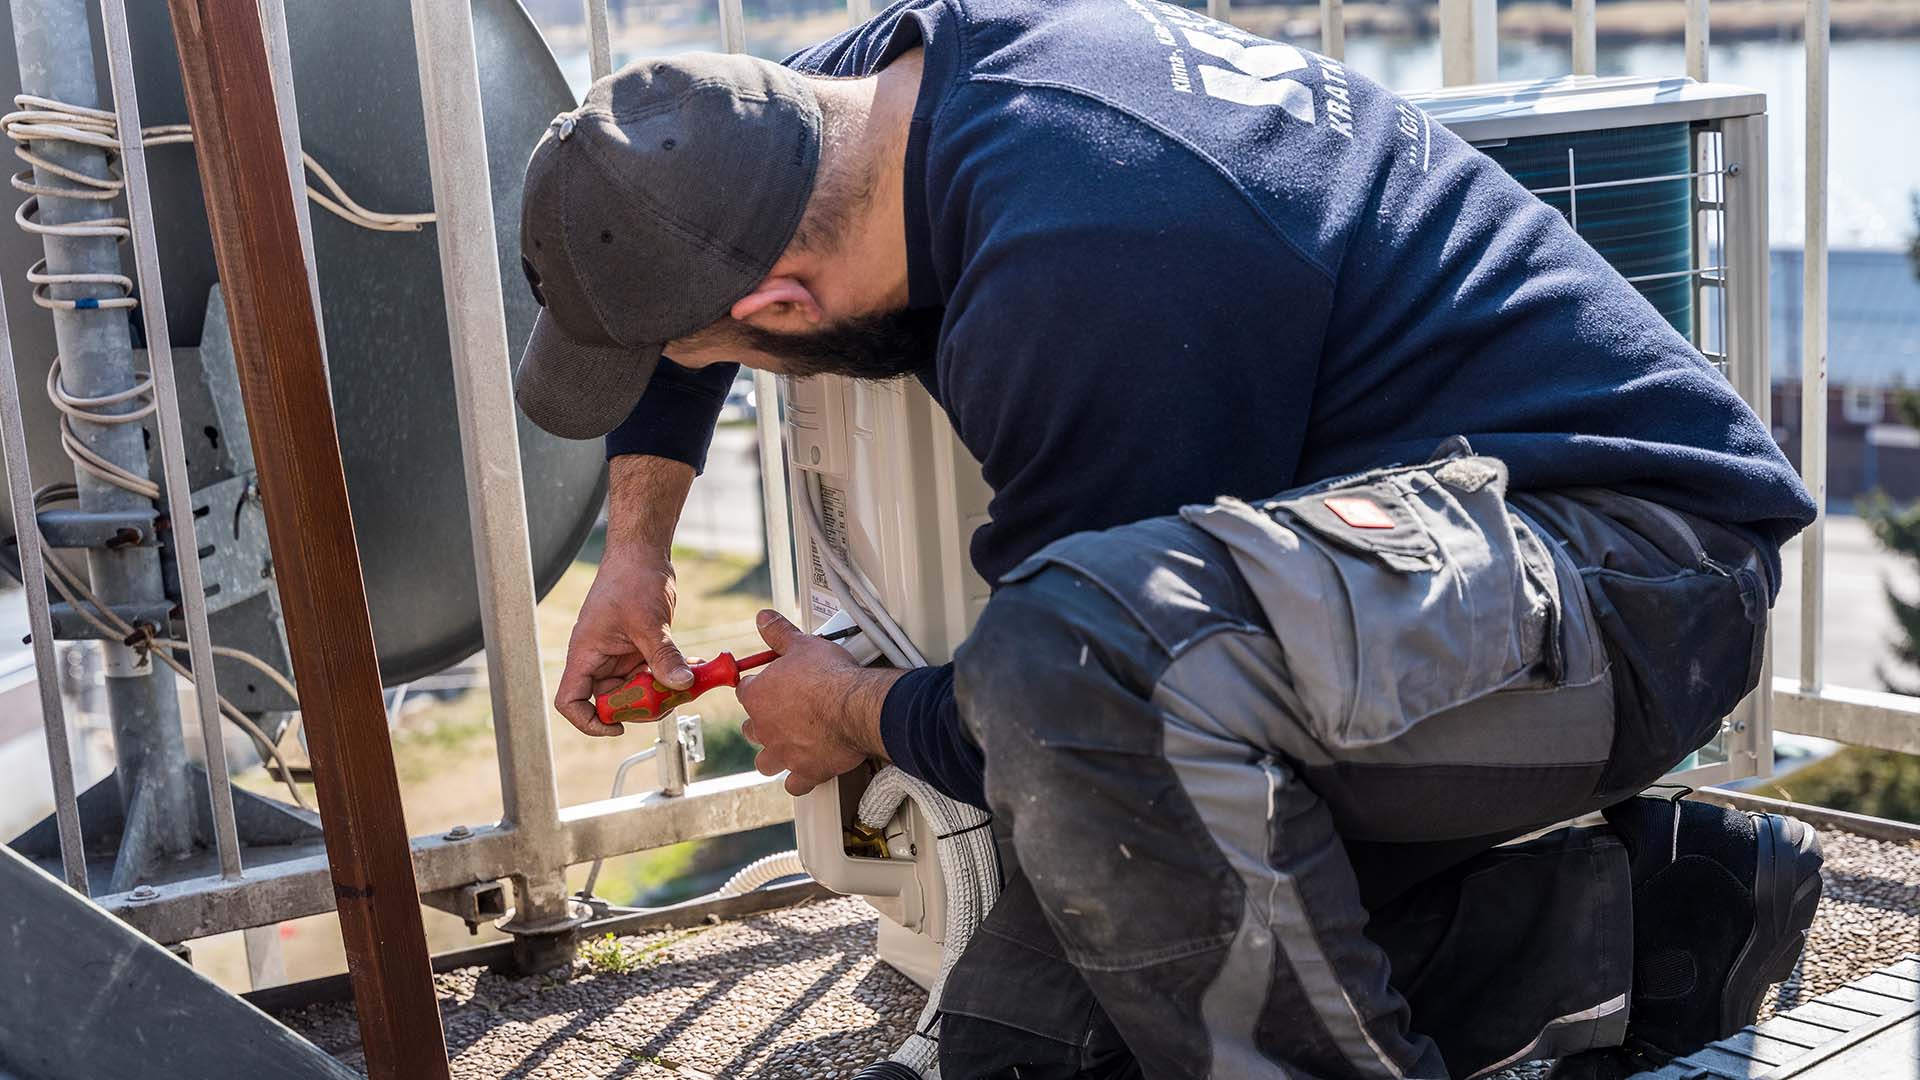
1874, 119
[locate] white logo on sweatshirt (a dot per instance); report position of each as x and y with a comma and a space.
1261, 74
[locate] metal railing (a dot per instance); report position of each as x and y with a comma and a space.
1806, 704
537, 838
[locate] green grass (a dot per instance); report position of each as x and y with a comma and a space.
1878, 783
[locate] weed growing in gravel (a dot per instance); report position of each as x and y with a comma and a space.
607, 956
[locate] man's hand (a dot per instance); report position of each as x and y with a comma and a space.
624, 622
815, 711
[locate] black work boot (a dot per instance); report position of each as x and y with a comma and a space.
1721, 904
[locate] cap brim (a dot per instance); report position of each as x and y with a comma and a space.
579, 391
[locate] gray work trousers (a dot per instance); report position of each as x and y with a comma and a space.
1254, 770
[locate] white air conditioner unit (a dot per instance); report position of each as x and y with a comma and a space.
1665, 177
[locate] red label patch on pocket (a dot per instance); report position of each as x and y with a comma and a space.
1360, 513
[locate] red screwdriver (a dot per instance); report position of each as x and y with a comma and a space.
641, 699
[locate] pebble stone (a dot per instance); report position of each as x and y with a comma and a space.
798, 994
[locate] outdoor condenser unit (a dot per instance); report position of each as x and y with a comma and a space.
1665, 177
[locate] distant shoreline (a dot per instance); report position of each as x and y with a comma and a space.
1616, 22
1621, 21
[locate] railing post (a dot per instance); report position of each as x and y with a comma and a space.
1813, 352
1333, 29
1469, 41
33, 577
599, 40
1586, 36
1697, 23
544, 918
273, 16
733, 27
1745, 262
224, 66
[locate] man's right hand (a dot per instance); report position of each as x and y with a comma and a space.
625, 620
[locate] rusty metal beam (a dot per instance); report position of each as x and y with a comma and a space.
283, 378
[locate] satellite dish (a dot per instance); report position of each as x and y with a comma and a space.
357, 87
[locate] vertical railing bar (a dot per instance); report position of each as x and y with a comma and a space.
733, 27
1813, 352
173, 453
1742, 190
490, 443
1333, 29
599, 40
1220, 10
1697, 40
1573, 193
273, 19
774, 508
859, 11
33, 577
1586, 36
1469, 42
783, 576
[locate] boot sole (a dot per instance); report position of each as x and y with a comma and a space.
1786, 892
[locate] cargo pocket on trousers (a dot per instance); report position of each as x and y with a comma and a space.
1396, 596
1685, 649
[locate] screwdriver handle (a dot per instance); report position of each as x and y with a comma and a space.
641, 699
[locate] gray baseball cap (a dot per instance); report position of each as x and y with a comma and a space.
649, 210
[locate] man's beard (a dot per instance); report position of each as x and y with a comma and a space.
885, 345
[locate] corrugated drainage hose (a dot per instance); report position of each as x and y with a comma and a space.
764, 871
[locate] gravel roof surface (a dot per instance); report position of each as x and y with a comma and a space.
798, 993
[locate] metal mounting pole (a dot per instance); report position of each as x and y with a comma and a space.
153, 310
55, 45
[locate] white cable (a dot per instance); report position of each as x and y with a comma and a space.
763, 871
41, 120
862, 589
67, 583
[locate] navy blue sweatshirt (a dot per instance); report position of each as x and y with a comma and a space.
1177, 261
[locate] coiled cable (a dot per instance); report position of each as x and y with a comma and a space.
42, 120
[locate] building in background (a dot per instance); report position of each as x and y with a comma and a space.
1873, 356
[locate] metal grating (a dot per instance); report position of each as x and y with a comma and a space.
1867, 1029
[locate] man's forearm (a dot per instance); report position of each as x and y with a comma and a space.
645, 495
866, 698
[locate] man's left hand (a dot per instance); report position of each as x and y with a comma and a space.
815, 711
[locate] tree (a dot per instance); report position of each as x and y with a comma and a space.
1898, 530
1913, 245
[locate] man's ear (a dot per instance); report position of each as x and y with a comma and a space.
780, 303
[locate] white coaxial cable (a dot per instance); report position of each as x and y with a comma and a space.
45, 120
